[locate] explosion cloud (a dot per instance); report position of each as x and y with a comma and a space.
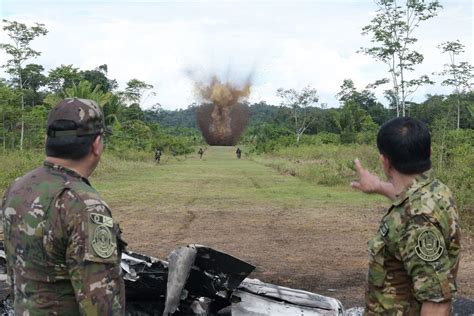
222, 119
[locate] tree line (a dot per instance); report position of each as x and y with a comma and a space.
28, 94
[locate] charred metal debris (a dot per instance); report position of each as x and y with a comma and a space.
198, 280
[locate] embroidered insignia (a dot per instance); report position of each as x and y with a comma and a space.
429, 246
102, 241
100, 219
384, 229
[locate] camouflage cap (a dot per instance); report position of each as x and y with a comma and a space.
85, 114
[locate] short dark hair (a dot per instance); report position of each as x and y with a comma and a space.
68, 147
406, 142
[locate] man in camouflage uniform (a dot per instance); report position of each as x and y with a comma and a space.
63, 248
415, 254
157, 155
238, 152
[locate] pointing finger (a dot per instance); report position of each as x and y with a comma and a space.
358, 165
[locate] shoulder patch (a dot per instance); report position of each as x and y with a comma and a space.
384, 229
103, 240
100, 219
429, 246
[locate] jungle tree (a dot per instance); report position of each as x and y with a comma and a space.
20, 51
300, 103
459, 74
392, 31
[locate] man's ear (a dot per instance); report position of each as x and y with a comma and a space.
97, 146
386, 163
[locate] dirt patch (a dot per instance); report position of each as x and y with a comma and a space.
319, 250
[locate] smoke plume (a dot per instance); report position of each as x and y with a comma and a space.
221, 118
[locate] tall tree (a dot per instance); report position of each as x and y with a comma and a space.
98, 76
392, 31
354, 116
459, 74
365, 99
20, 51
85, 90
8, 113
136, 91
300, 103
33, 80
62, 77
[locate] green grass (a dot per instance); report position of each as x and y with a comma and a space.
218, 181
303, 178
333, 166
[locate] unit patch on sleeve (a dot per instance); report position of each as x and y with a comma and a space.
100, 219
103, 241
429, 246
384, 229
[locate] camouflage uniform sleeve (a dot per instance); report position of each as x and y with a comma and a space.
2, 236
92, 257
425, 258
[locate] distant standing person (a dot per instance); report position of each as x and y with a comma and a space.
238, 152
157, 155
200, 152
63, 248
414, 256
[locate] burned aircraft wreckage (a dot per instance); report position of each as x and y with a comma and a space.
197, 280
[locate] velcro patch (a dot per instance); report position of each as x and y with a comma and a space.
384, 229
103, 241
102, 236
429, 247
100, 219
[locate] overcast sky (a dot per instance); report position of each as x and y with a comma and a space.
288, 44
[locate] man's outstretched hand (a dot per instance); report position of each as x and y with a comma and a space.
370, 183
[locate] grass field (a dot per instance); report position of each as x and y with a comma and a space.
218, 181
297, 234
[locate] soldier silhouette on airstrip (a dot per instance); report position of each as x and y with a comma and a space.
238, 152
157, 155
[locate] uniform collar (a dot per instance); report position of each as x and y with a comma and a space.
63, 169
419, 182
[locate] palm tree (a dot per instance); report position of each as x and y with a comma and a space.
84, 90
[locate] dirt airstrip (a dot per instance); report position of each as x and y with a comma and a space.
320, 249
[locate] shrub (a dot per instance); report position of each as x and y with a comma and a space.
17, 163
328, 164
324, 164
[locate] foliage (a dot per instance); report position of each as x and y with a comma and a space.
365, 99
459, 74
98, 77
392, 34
329, 164
322, 138
267, 137
20, 51
453, 160
300, 104
325, 164
135, 91
437, 107
84, 90
16, 163
33, 80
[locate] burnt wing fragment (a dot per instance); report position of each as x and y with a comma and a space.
198, 280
